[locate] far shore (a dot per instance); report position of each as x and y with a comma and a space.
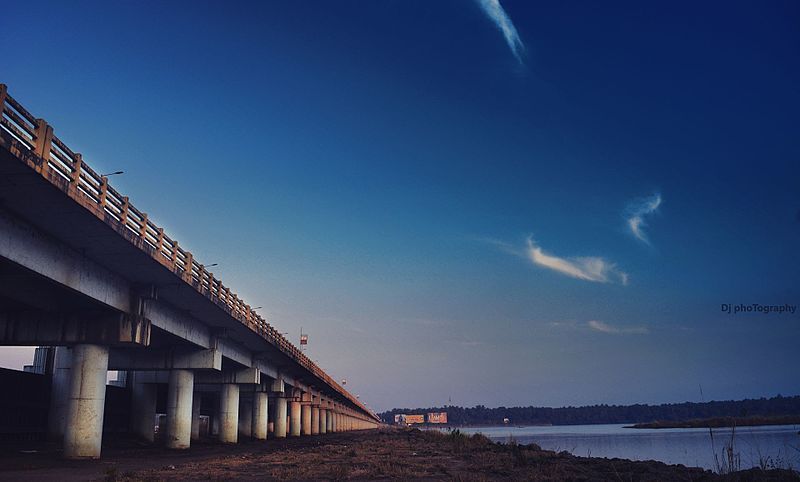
722, 422
713, 422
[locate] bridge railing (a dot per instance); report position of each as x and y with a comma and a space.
60, 162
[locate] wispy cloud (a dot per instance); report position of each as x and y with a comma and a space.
586, 268
637, 212
498, 15
616, 330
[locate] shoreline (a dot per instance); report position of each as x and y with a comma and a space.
721, 422
387, 453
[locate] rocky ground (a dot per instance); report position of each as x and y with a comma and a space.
374, 455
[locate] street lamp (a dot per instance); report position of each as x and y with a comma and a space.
112, 173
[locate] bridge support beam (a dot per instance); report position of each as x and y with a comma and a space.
279, 421
314, 414
124, 329
229, 413
323, 421
83, 431
294, 418
260, 417
150, 359
305, 414
305, 419
179, 409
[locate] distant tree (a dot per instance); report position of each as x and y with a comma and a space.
639, 413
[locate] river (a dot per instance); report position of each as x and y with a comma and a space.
778, 445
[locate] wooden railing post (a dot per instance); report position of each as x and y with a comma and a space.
143, 227
160, 243
201, 273
44, 137
174, 254
3, 94
123, 217
77, 165
187, 269
103, 191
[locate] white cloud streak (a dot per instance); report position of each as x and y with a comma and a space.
637, 212
502, 21
586, 268
615, 330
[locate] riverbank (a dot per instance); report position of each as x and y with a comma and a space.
723, 422
375, 455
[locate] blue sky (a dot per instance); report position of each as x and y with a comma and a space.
499, 204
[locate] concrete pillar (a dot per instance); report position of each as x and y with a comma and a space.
305, 418
280, 417
260, 411
294, 418
323, 421
196, 416
329, 421
179, 409
314, 420
229, 413
59, 393
83, 429
245, 419
143, 408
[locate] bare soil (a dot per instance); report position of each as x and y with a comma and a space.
372, 455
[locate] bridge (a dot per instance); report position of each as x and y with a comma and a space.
96, 283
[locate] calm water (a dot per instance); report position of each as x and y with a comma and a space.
687, 446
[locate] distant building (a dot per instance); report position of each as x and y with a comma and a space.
411, 419
415, 418
42, 361
437, 417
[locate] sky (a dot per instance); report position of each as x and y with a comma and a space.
461, 202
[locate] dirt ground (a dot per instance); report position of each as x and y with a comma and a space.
372, 455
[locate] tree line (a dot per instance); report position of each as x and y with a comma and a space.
595, 414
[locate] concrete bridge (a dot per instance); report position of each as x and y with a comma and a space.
89, 275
